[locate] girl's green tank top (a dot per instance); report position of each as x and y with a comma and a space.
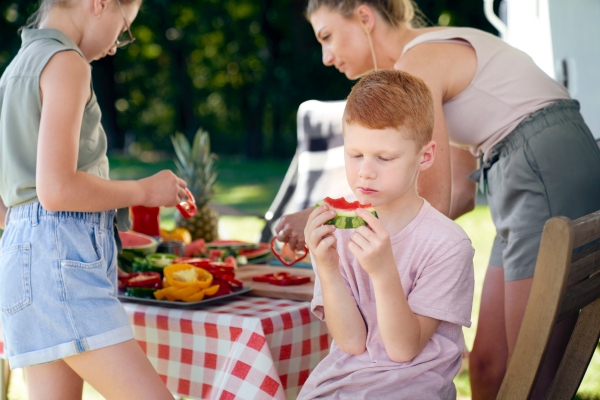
20, 114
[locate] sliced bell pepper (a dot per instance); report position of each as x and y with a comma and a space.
143, 279
282, 279
195, 297
195, 261
158, 261
165, 293
181, 275
211, 291
179, 234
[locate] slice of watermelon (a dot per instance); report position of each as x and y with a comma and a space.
134, 245
252, 254
231, 244
346, 217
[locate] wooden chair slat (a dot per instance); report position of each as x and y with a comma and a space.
540, 315
578, 297
584, 264
586, 229
578, 354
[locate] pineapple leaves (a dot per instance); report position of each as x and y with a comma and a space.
196, 165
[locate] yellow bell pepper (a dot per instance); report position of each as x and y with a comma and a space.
211, 291
165, 293
195, 297
179, 234
183, 275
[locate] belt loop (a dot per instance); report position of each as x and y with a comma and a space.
35, 218
103, 219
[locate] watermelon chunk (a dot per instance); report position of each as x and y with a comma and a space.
346, 217
134, 245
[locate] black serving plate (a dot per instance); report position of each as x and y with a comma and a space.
181, 304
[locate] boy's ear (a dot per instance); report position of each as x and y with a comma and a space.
427, 155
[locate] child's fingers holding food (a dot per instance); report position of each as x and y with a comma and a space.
374, 223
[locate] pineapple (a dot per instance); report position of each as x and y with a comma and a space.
196, 166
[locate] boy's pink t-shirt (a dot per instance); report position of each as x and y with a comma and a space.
435, 263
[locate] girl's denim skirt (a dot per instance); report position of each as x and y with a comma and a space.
58, 285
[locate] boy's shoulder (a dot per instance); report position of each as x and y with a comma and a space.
435, 231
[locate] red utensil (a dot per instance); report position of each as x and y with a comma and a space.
188, 208
284, 261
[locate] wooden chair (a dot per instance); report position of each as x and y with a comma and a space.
566, 283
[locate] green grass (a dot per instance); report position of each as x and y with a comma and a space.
251, 186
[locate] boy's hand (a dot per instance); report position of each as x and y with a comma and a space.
320, 240
163, 189
371, 245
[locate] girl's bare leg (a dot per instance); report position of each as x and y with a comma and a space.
121, 371
53, 381
487, 361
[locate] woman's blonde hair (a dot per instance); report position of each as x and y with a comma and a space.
46, 5
395, 12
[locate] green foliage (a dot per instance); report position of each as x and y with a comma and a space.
239, 68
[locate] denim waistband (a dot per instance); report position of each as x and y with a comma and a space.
35, 212
556, 113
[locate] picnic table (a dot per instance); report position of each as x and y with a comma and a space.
248, 348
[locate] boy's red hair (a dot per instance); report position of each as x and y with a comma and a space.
392, 99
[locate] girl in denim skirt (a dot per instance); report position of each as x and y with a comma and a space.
61, 319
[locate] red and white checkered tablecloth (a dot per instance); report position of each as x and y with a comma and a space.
249, 348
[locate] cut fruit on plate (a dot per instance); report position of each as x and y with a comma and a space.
231, 244
346, 217
135, 245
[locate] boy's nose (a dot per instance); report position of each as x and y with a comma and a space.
367, 171
112, 51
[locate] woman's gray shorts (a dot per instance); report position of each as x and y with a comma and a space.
548, 166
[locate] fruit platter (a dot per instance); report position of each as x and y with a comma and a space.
206, 273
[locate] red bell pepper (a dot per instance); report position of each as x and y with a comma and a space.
143, 279
282, 279
188, 208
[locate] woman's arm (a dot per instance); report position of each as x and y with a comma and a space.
434, 184
463, 189
3, 211
65, 90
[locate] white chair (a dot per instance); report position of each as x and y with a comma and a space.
317, 169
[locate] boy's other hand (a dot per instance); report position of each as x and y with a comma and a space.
371, 245
320, 240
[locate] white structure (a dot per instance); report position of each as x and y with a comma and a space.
562, 37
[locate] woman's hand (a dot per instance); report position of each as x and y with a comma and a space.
320, 240
371, 246
291, 229
163, 189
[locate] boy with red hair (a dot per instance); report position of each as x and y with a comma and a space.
396, 293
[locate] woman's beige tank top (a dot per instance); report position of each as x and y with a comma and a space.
507, 87
20, 113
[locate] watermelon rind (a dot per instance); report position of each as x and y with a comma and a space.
346, 219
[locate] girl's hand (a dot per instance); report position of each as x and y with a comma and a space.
163, 189
371, 245
320, 240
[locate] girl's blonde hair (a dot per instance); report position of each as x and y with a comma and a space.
45, 5
395, 12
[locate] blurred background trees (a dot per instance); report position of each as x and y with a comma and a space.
237, 68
